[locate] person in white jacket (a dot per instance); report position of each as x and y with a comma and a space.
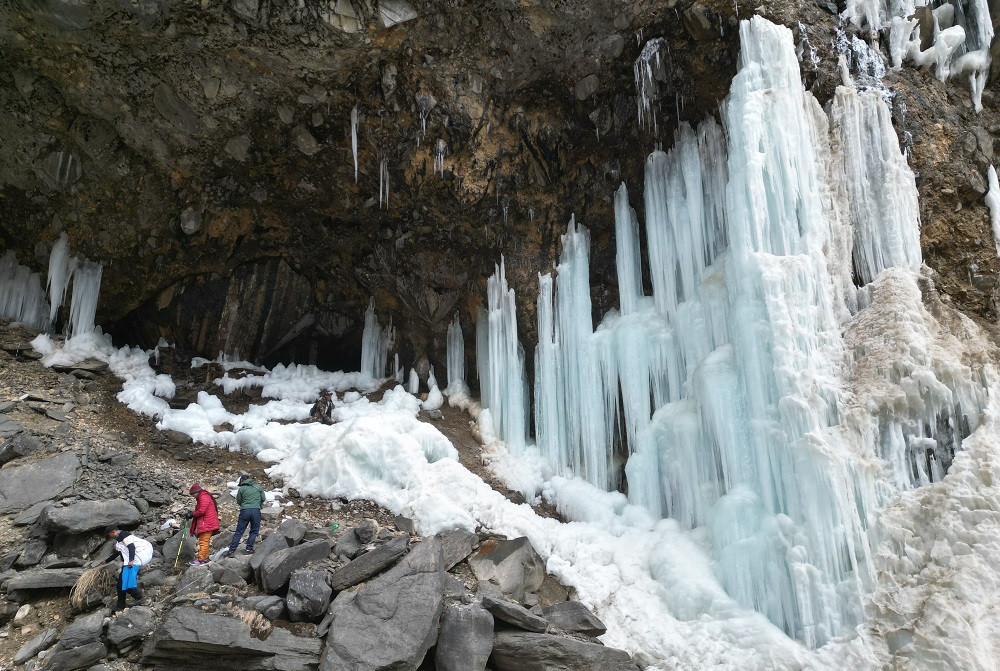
134, 552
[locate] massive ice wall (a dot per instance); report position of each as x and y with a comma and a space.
730, 391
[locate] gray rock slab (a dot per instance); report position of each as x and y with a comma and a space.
279, 565
85, 516
308, 595
524, 651
466, 638
369, 564
192, 638
512, 564
43, 578
76, 658
23, 486
514, 614
41, 642
392, 621
272, 543
348, 546
30, 516
31, 554
456, 545
83, 630
574, 616
20, 445
131, 625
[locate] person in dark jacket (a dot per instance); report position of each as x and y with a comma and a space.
250, 498
322, 410
204, 522
134, 552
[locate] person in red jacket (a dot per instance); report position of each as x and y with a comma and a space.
204, 522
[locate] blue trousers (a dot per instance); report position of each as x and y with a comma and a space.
249, 516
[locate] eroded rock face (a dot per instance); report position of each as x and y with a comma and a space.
219, 171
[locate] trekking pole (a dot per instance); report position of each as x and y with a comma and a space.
180, 545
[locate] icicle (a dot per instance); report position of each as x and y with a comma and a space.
354, 142
628, 259
456, 358
375, 344
61, 267
21, 296
413, 386
648, 70
383, 184
505, 206
86, 290
993, 203
439, 154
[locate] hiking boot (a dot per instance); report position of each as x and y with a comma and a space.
198, 562
231, 554
249, 551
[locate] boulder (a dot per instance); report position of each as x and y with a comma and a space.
278, 567
348, 546
524, 651
304, 140
130, 626
173, 544
83, 630
367, 531
195, 580
271, 607
574, 616
466, 638
512, 564
43, 578
292, 529
369, 564
77, 658
514, 614
20, 445
31, 554
87, 516
190, 638
456, 545
30, 516
23, 486
308, 595
41, 642
392, 621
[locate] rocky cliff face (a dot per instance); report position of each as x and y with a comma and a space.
203, 153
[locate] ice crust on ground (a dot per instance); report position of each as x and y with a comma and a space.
848, 465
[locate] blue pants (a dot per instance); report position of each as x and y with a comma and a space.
129, 575
249, 516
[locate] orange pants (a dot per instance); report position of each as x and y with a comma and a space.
204, 541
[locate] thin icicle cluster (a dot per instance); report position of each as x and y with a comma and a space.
649, 70
440, 151
376, 342
383, 183
23, 299
961, 35
500, 364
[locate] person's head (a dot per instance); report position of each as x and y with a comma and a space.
243, 479
195, 489
326, 394
111, 531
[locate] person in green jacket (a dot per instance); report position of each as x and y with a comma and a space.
249, 497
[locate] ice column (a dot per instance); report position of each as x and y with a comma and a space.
880, 185
86, 290
456, 358
21, 296
61, 267
375, 344
628, 259
500, 359
993, 203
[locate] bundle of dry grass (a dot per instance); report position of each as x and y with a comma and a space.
92, 586
260, 626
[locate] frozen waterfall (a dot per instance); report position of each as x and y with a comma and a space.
376, 341
731, 394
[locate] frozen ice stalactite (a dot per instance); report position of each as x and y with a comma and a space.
568, 389
456, 359
86, 290
880, 185
413, 384
383, 183
21, 296
375, 344
993, 203
440, 151
500, 360
627, 255
61, 267
962, 33
649, 70
354, 141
